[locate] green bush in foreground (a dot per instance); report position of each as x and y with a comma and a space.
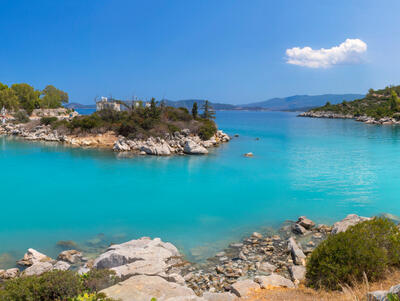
369, 247
60, 286
48, 120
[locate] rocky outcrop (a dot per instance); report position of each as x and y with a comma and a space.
70, 256
9, 274
38, 269
350, 220
60, 113
297, 273
243, 288
143, 256
297, 254
192, 148
144, 287
32, 256
274, 280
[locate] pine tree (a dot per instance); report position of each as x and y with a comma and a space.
195, 112
394, 101
208, 112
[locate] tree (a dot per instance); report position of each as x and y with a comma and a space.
394, 101
8, 99
28, 97
208, 112
53, 98
195, 112
154, 112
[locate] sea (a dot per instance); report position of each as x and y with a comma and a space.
88, 198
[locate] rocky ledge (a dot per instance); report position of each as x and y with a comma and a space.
365, 119
150, 268
183, 142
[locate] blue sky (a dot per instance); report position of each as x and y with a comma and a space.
227, 51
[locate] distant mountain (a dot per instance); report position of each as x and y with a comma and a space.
298, 102
188, 103
75, 105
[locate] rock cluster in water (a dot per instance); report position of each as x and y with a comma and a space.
183, 142
365, 119
153, 268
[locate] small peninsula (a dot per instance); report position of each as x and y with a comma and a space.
377, 107
151, 128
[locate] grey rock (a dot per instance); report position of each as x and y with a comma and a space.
274, 280
350, 220
377, 296
266, 267
32, 256
242, 288
38, 269
297, 272
192, 148
305, 222
299, 229
71, 256
9, 274
61, 266
219, 296
143, 287
297, 254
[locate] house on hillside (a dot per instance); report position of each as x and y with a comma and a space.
105, 103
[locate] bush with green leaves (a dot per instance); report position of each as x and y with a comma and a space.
97, 279
369, 248
207, 129
48, 120
21, 117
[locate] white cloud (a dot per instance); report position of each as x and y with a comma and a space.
349, 52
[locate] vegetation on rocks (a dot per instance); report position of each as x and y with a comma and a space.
143, 122
376, 104
367, 249
58, 285
25, 97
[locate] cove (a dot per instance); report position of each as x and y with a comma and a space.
322, 168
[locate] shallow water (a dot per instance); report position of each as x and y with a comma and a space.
321, 168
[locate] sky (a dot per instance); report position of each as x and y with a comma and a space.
236, 51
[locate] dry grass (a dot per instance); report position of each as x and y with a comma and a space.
356, 293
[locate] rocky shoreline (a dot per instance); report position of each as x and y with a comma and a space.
178, 143
152, 268
365, 119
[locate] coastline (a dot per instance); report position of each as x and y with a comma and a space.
365, 119
178, 143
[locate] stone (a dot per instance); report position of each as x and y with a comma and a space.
71, 256
208, 296
297, 254
147, 287
9, 274
61, 266
31, 257
143, 256
297, 272
38, 269
257, 235
242, 288
377, 296
266, 267
299, 229
350, 220
192, 148
250, 154
274, 280
156, 149
305, 222
121, 146
395, 289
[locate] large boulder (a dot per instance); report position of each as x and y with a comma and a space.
61, 266
156, 149
32, 256
297, 254
121, 146
242, 288
9, 274
141, 288
192, 148
274, 280
305, 222
143, 256
38, 269
298, 273
350, 220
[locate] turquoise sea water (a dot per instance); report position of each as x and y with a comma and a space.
321, 168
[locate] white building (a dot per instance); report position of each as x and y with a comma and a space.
104, 103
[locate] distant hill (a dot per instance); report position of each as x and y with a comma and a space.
298, 102
75, 105
188, 103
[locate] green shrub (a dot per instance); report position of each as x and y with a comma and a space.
173, 128
207, 129
369, 247
48, 120
54, 285
21, 117
96, 280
